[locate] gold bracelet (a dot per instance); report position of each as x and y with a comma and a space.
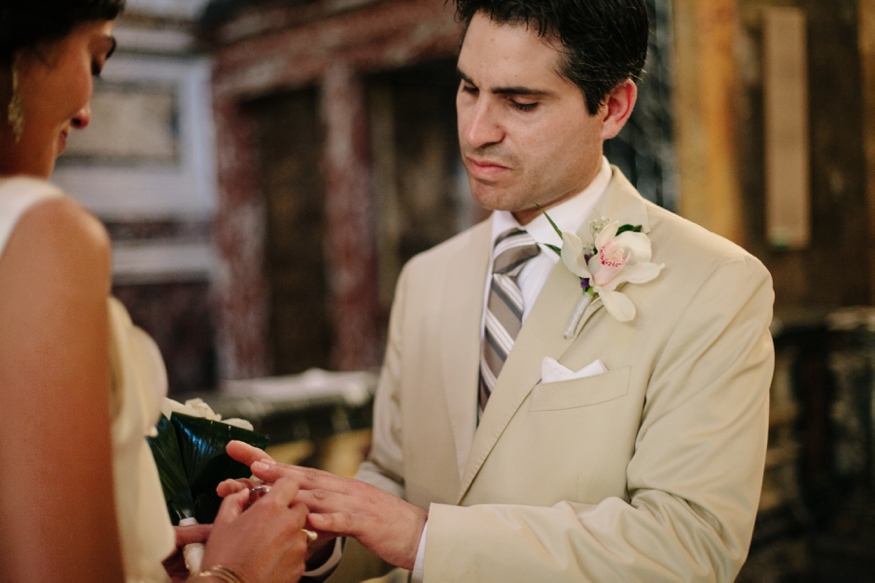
225, 574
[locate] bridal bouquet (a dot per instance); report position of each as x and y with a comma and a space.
189, 450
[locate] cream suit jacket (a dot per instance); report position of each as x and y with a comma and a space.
649, 472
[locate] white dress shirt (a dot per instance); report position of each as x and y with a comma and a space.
568, 216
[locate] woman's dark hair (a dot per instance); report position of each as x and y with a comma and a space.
27, 23
605, 41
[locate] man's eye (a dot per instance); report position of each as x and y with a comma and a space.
524, 106
469, 89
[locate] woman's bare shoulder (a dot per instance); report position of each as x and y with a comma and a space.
62, 219
59, 232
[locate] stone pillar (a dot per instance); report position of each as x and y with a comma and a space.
241, 289
350, 242
706, 90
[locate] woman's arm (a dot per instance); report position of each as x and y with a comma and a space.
57, 510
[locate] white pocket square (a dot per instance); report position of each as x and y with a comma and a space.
552, 371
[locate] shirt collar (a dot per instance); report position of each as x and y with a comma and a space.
568, 215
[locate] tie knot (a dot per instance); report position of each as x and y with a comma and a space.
512, 249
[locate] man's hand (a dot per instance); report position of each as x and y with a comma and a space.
387, 525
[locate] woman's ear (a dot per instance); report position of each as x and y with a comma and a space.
5, 85
617, 108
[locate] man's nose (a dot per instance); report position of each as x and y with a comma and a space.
483, 127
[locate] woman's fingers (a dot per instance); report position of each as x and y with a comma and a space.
228, 487
195, 533
232, 507
282, 492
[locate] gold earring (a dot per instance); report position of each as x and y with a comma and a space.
15, 111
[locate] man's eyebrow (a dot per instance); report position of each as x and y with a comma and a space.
464, 77
512, 90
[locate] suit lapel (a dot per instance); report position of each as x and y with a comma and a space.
462, 312
621, 203
542, 332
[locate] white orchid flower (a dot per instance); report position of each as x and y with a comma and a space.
616, 259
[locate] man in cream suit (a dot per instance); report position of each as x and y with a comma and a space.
650, 469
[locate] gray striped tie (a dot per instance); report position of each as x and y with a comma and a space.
504, 309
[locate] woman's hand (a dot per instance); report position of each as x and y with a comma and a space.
264, 543
387, 525
175, 563
319, 550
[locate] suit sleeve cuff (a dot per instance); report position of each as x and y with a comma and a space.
329, 565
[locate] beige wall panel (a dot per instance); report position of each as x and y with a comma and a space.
787, 147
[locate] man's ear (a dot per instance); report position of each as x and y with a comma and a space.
617, 108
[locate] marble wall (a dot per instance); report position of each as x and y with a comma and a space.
146, 167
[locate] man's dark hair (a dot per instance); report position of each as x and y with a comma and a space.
24, 24
605, 41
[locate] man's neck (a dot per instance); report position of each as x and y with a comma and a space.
527, 215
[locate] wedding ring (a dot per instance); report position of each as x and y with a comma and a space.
256, 492
311, 536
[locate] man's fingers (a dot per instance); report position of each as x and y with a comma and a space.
307, 478
335, 523
300, 514
283, 491
271, 472
323, 501
245, 453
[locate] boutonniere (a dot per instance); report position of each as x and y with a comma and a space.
620, 254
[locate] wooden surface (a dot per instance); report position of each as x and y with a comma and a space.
706, 85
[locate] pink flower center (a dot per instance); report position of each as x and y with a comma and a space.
612, 255
612, 259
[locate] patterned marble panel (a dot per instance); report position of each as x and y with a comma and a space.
178, 316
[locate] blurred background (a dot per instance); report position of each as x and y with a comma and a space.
265, 168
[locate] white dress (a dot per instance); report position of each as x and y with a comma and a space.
139, 385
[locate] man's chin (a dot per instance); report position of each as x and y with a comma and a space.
491, 198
